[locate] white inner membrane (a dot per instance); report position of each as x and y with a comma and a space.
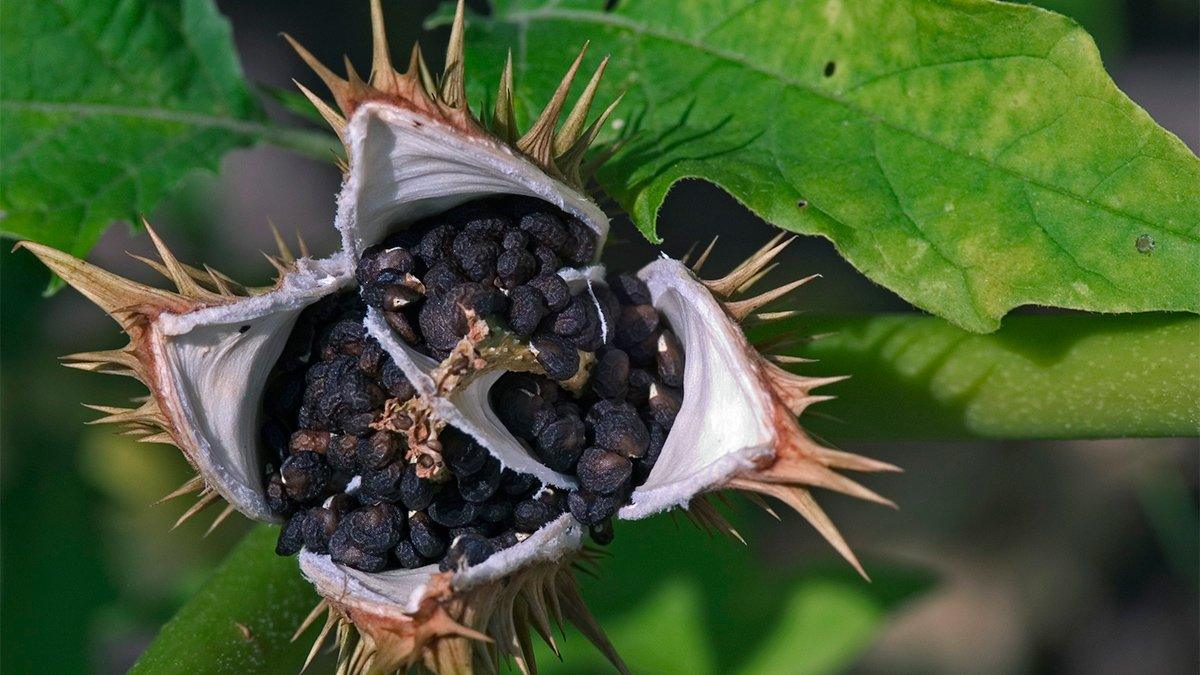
218, 359
724, 422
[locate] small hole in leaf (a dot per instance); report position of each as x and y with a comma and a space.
245, 328
830, 67
610, 5
801, 204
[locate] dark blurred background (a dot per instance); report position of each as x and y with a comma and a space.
1075, 557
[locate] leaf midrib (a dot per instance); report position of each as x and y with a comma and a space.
154, 113
522, 18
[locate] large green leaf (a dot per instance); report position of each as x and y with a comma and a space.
106, 105
972, 156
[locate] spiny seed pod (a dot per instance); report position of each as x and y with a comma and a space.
439, 412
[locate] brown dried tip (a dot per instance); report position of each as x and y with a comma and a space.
559, 153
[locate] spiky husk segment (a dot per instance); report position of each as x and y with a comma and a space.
136, 308
557, 150
796, 462
462, 631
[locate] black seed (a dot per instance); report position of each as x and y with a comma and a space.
390, 297
444, 319
553, 289
437, 244
476, 255
664, 404
568, 408
382, 257
559, 358
516, 484
622, 433
514, 239
548, 262
561, 441
374, 528
308, 440
496, 512
591, 337
357, 424
639, 386
442, 277
574, 318
530, 515
462, 453
394, 381
545, 228
482, 484
636, 323
426, 536
642, 467
474, 529
580, 246
342, 454
630, 289
305, 475
291, 537
514, 267
602, 532
506, 539
605, 407
378, 450
407, 555
602, 471
344, 337
415, 492
341, 504
485, 224
372, 358
467, 550
402, 326
524, 413
526, 308
450, 510
590, 508
382, 485
610, 376
344, 552
670, 359
319, 525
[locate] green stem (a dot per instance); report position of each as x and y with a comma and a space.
241, 620
315, 144
915, 377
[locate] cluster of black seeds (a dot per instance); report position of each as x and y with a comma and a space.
609, 434
353, 491
348, 490
496, 257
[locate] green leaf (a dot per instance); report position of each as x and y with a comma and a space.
107, 104
972, 156
241, 620
919, 378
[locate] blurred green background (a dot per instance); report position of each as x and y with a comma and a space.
1076, 557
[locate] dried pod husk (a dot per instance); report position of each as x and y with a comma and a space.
204, 352
756, 444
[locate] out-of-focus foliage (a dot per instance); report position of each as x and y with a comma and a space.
970, 156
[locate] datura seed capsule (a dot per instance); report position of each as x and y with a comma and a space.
441, 412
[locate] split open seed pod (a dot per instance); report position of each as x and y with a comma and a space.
414, 149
